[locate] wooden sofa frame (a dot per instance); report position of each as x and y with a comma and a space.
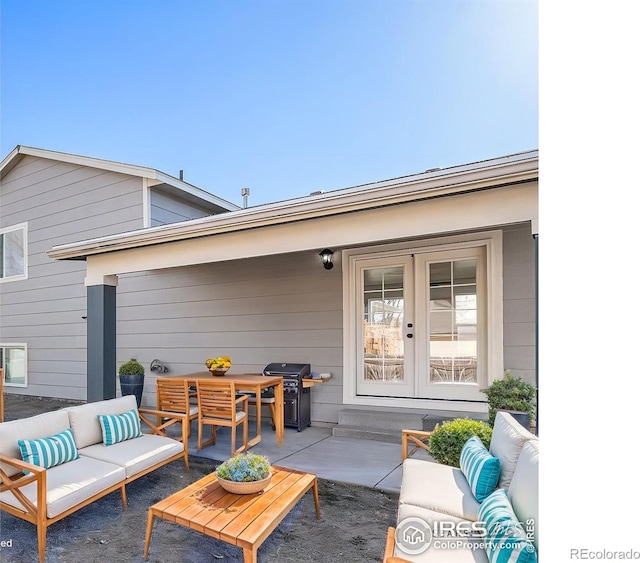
37, 513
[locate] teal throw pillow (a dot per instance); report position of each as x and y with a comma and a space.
506, 539
119, 427
480, 468
50, 451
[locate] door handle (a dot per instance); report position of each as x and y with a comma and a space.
409, 327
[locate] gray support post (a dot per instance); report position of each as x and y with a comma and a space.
101, 342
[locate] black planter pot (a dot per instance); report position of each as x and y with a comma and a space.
521, 416
132, 385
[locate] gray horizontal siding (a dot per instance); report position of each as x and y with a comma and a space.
166, 209
519, 302
285, 308
61, 203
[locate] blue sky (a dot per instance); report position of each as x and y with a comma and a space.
285, 97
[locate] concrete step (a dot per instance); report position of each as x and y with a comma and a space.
388, 426
364, 433
376, 425
380, 420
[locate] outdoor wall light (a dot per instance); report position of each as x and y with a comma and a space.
326, 258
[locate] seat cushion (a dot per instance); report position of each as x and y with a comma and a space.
507, 440
137, 454
84, 418
440, 550
71, 483
31, 428
523, 490
481, 469
437, 487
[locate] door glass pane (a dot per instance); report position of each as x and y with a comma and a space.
382, 323
453, 322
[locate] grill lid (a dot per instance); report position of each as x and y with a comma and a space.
297, 371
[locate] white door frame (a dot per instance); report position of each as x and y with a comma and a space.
492, 241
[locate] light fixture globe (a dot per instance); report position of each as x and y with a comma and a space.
326, 255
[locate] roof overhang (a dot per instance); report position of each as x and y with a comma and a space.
486, 175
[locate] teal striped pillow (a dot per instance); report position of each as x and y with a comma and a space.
47, 452
480, 468
119, 427
506, 539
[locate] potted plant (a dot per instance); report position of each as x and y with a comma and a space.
513, 395
218, 365
447, 440
244, 473
132, 379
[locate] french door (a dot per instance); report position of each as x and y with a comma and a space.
421, 324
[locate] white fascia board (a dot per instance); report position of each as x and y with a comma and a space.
480, 176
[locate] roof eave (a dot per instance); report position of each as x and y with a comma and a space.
495, 174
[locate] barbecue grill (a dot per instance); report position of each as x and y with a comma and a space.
297, 398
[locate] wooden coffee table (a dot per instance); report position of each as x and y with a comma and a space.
242, 520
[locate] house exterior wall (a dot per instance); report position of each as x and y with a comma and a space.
61, 203
280, 308
166, 209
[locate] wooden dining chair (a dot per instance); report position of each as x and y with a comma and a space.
219, 406
172, 395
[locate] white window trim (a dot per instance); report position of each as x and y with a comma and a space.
26, 371
492, 240
9, 229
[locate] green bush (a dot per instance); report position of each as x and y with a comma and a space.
132, 367
512, 394
447, 440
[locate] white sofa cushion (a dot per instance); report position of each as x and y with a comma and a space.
71, 483
84, 418
32, 428
506, 442
523, 490
137, 454
437, 487
437, 552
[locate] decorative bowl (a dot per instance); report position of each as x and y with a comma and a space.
244, 487
218, 371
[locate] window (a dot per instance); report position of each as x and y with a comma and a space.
13, 358
13, 253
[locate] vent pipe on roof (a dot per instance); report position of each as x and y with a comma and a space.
245, 197
181, 174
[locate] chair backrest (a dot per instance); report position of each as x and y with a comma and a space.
172, 395
216, 398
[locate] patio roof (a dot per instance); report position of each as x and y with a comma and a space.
429, 185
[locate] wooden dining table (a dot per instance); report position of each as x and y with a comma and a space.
255, 383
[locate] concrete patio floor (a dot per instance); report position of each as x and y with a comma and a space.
348, 460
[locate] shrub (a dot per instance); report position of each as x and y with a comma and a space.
512, 394
132, 367
447, 440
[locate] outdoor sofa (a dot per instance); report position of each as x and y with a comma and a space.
88, 451
435, 493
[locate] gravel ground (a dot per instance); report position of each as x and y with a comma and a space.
353, 524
